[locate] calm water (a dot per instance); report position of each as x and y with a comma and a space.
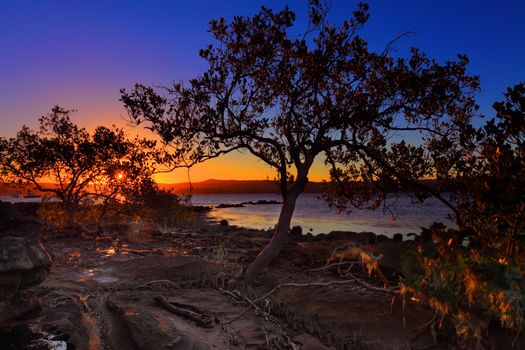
314, 215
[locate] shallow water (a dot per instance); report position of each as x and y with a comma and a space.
99, 275
314, 215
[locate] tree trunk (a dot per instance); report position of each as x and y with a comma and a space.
272, 250
70, 213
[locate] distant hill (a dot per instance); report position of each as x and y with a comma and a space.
213, 186
233, 186
204, 187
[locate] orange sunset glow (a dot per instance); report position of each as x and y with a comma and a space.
262, 174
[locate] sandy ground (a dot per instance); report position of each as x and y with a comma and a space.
119, 293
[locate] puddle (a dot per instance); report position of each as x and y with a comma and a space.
105, 279
98, 275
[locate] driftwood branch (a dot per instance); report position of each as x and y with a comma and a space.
200, 317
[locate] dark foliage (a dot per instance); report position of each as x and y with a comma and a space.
75, 166
322, 94
475, 274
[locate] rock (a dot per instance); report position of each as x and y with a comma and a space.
24, 262
398, 237
305, 254
359, 237
69, 322
224, 223
262, 202
28, 208
201, 208
235, 205
296, 232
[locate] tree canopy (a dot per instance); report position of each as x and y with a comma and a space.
473, 274
289, 99
73, 165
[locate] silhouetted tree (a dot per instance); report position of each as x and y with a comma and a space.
474, 273
291, 99
70, 163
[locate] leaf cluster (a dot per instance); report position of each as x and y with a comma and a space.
289, 99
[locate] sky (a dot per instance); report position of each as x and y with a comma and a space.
79, 54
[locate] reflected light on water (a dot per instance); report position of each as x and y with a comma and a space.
99, 275
314, 215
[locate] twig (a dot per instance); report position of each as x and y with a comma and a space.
326, 267
373, 288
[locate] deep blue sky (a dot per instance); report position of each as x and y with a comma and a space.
80, 53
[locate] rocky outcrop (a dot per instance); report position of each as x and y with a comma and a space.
24, 262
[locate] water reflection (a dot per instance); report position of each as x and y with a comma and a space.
314, 215
99, 275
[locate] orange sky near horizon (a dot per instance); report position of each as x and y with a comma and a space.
233, 166
80, 54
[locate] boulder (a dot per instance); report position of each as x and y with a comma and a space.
296, 232
398, 237
24, 262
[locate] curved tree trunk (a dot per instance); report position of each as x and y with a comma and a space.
280, 234
70, 214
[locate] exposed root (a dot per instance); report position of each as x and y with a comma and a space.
275, 336
200, 317
392, 291
240, 298
160, 282
252, 303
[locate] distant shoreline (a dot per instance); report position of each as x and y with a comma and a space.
202, 187
211, 186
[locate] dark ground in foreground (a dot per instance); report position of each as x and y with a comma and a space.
115, 292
